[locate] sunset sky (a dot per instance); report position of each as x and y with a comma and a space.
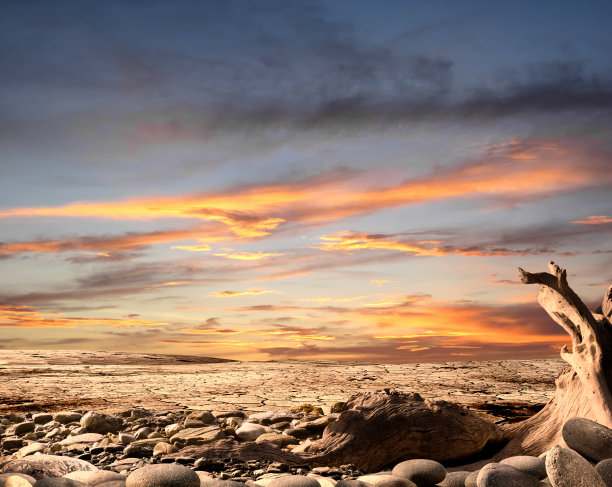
276, 179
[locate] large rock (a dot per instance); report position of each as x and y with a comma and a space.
21, 428
532, 465
31, 449
39, 466
101, 423
592, 440
198, 436
501, 475
163, 475
566, 468
423, 473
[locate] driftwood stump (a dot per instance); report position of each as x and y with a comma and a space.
583, 387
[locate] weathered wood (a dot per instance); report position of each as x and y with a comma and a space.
583, 387
230, 448
379, 429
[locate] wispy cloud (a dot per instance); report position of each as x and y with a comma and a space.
595, 220
28, 317
248, 292
248, 255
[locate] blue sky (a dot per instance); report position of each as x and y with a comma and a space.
273, 179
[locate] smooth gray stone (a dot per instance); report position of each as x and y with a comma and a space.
221, 483
386, 480
424, 473
500, 475
592, 440
470, 480
112, 483
95, 478
532, 465
351, 483
163, 475
566, 468
454, 479
294, 481
58, 482
604, 469
6, 475
39, 466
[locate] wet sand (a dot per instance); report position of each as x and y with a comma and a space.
35, 380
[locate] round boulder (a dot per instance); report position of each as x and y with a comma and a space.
42, 465
592, 440
163, 475
294, 481
4, 476
455, 479
17, 481
532, 465
566, 468
58, 482
604, 469
95, 478
420, 471
221, 483
501, 475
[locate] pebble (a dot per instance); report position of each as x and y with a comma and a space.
455, 479
65, 417
592, 440
566, 468
502, 475
423, 473
294, 481
17, 481
58, 482
251, 431
4, 476
94, 478
471, 479
198, 436
44, 465
386, 480
604, 469
532, 465
101, 423
163, 475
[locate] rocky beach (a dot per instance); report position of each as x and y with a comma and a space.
123, 419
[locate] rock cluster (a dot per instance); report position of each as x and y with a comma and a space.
140, 448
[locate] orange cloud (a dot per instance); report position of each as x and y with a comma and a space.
354, 241
535, 167
595, 220
27, 317
232, 294
209, 331
192, 248
248, 255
